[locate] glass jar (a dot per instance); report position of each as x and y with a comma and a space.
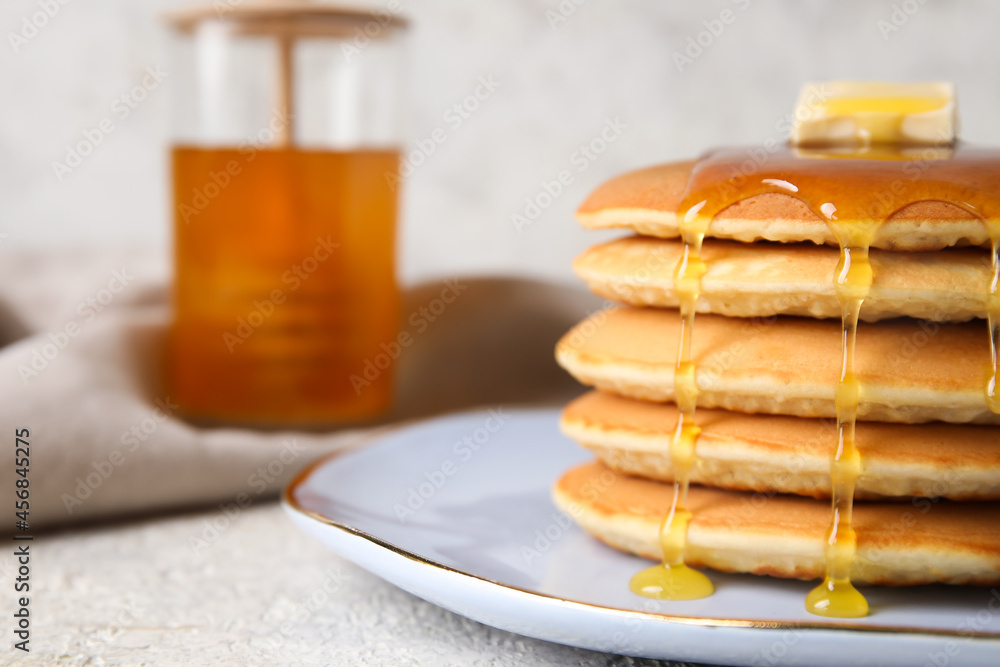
285, 174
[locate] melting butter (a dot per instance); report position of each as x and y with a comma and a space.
865, 113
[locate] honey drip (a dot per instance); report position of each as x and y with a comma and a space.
836, 596
854, 191
993, 315
672, 579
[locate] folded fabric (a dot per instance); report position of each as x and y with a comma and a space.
81, 349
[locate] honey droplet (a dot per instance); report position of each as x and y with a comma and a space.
672, 579
837, 599
671, 582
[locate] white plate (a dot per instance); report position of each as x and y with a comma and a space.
456, 510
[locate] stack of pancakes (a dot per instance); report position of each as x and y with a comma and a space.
767, 348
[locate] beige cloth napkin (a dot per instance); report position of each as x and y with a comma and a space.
81, 345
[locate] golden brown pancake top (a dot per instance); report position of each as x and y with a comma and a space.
661, 188
658, 188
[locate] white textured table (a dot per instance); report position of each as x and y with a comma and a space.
257, 593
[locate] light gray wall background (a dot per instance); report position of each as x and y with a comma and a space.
559, 85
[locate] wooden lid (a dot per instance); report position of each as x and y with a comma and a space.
288, 16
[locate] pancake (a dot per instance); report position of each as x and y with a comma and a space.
763, 279
910, 371
646, 202
778, 454
783, 536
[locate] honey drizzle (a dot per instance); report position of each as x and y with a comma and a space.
993, 315
854, 192
836, 596
672, 579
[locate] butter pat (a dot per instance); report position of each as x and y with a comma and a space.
855, 113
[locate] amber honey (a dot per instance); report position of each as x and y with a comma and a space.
285, 288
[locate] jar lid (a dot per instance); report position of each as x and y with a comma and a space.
288, 16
